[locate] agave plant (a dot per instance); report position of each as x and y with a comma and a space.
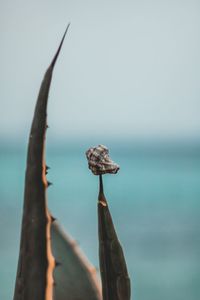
114, 274
50, 266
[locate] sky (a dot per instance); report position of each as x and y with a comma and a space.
127, 69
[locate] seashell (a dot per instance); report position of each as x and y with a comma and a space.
99, 161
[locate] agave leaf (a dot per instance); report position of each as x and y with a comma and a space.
114, 274
75, 278
35, 265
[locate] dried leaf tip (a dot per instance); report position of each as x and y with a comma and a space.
99, 161
59, 48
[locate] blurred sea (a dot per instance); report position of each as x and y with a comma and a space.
154, 201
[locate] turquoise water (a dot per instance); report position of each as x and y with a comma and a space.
155, 204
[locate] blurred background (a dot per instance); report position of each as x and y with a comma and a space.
127, 77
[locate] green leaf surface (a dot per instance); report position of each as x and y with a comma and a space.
114, 274
75, 278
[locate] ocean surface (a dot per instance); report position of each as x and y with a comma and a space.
154, 201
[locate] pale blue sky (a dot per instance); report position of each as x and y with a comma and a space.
127, 68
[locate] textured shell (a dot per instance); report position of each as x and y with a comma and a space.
99, 161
